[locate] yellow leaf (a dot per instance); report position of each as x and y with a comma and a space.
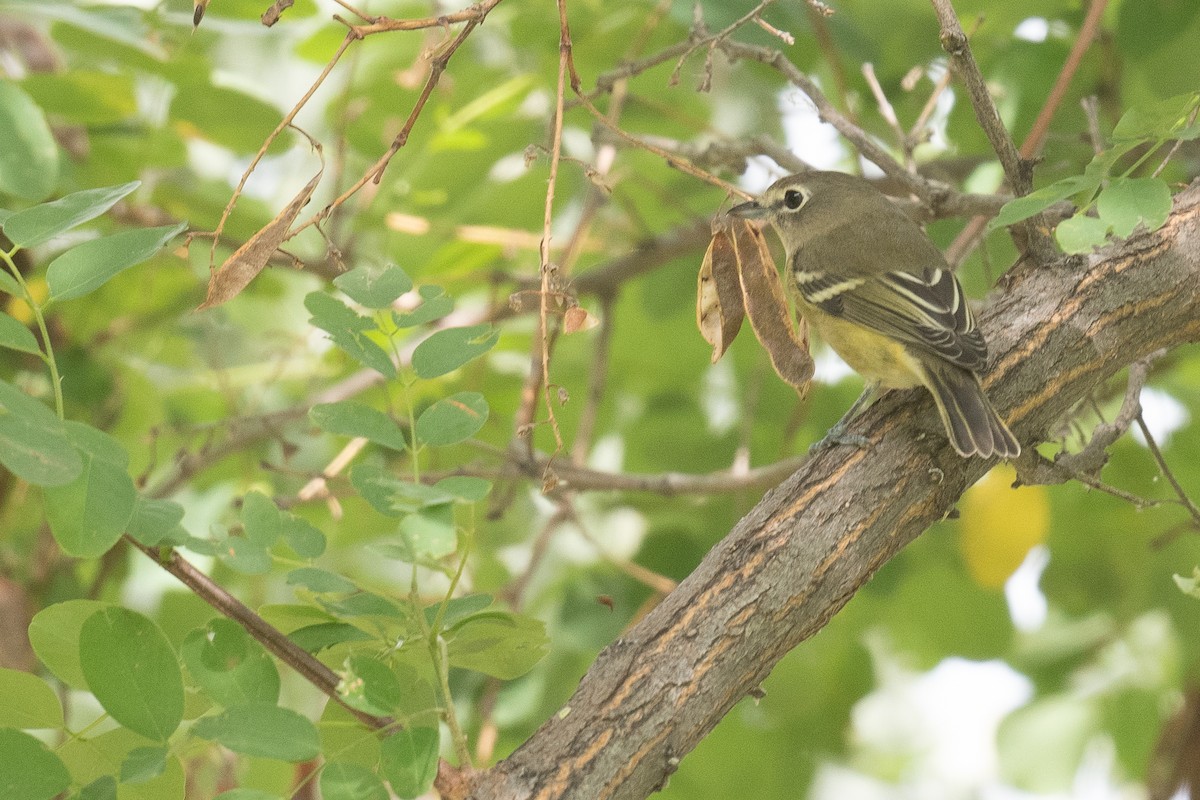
999, 525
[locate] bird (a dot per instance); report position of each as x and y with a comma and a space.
874, 287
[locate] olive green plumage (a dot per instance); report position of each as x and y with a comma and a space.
880, 293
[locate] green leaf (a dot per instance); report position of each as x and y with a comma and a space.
392, 496
1022, 208
54, 635
1081, 233
466, 488
144, 764
43, 222
245, 556
344, 780
447, 350
89, 98
100, 755
1127, 202
88, 515
27, 769
497, 643
373, 286
131, 669
264, 730
27, 702
9, 284
1160, 120
435, 305
33, 441
458, 608
348, 330
226, 117
348, 418
232, 668
29, 157
97, 444
302, 536
362, 604
261, 519
430, 533
103, 788
90, 265
16, 336
369, 685
247, 794
452, 419
408, 759
323, 635
320, 581
156, 522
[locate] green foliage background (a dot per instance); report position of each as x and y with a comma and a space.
134, 94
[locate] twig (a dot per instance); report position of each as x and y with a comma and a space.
546, 270
1018, 170
1175, 147
316, 673
954, 42
887, 112
1085, 465
1032, 146
597, 380
472, 15
668, 484
1184, 500
783, 36
360, 14
867, 146
437, 66
262, 151
818, 15
1091, 111
917, 132
696, 42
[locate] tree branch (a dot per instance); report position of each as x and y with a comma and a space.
810, 544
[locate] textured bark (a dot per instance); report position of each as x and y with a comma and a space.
1056, 334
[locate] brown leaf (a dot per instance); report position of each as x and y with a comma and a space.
767, 307
249, 259
577, 319
272, 14
719, 310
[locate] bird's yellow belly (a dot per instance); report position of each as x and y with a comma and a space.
870, 354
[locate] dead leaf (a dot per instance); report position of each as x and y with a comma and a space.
767, 307
719, 309
272, 14
577, 319
249, 259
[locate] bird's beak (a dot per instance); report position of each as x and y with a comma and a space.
751, 210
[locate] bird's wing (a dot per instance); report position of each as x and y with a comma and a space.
925, 310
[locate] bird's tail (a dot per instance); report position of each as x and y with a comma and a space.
971, 423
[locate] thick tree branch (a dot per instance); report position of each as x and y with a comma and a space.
811, 543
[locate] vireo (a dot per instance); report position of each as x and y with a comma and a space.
880, 293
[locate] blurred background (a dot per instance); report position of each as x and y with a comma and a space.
1044, 644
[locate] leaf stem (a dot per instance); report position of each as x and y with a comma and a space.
47, 354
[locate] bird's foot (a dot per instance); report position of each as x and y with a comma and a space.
838, 435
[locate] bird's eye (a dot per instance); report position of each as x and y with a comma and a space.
793, 199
